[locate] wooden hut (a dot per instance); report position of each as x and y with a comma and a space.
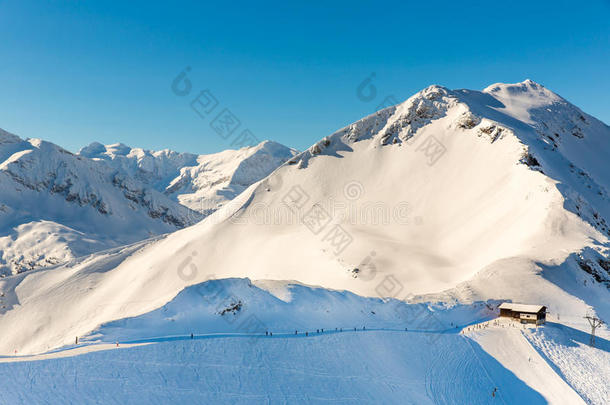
524, 313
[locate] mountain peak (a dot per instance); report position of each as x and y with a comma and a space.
94, 148
119, 149
97, 149
527, 88
275, 148
432, 92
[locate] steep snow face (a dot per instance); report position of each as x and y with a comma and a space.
431, 191
415, 199
202, 183
55, 205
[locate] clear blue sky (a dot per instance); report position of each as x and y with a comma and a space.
74, 72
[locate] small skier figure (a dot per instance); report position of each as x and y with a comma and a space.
191, 335
493, 393
296, 332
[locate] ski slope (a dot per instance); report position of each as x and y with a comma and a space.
368, 367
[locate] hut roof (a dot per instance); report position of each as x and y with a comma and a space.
522, 307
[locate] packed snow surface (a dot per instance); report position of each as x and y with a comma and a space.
348, 367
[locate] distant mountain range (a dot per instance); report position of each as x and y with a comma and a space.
55, 205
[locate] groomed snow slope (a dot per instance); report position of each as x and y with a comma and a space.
501, 199
348, 367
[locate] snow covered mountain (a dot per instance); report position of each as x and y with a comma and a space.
56, 205
449, 202
202, 183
